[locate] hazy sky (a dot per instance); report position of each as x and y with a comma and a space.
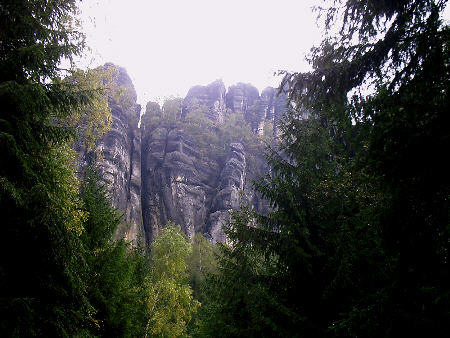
167, 46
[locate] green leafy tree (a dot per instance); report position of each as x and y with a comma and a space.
93, 120
201, 263
170, 301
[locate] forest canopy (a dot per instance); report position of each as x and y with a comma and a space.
356, 241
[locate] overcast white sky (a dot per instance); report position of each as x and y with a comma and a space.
167, 46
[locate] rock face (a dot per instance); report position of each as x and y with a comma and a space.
272, 107
187, 184
257, 110
181, 186
231, 184
174, 187
164, 171
211, 97
122, 170
241, 97
120, 163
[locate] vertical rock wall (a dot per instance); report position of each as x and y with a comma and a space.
176, 182
120, 159
162, 172
196, 191
211, 96
230, 187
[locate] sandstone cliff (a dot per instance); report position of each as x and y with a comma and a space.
198, 162
191, 161
120, 158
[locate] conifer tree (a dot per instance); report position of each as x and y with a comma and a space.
380, 87
358, 235
42, 277
117, 272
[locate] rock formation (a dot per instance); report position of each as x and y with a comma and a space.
177, 169
211, 96
184, 181
231, 183
120, 164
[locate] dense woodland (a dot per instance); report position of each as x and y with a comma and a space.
356, 244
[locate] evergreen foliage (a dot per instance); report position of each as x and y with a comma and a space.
237, 299
41, 274
357, 242
60, 273
117, 272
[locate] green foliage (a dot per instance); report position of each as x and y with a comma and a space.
42, 277
170, 302
171, 109
118, 290
392, 136
268, 130
355, 244
197, 124
94, 119
238, 301
60, 273
117, 273
102, 220
169, 253
152, 117
35, 37
201, 263
235, 129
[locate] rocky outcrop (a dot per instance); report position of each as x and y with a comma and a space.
272, 107
120, 158
211, 97
230, 188
175, 167
120, 166
241, 97
184, 180
184, 187
257, 110
175, 182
